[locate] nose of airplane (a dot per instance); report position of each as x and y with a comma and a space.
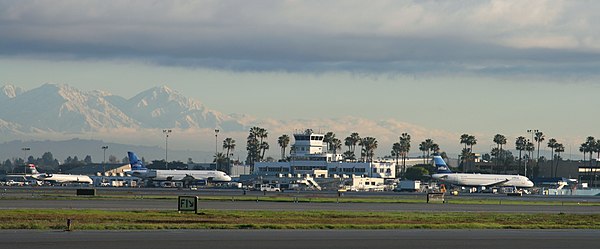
530, 184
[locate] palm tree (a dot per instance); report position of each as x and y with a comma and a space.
426, 147
591, 146
329, 136
396, 153
465, 156
431, 146
530, 148
583, 149
369, 145
597, 150
220, 159
464, 139
500, 140
435, 148
351, 142
404, 149
348, 142
520, 146
471, 141
362, 142
558, 149
263, 135
539, 138
349, 156
229, 145
552, 145
423, 148
253, 147
336, 145
283, 141
264, 146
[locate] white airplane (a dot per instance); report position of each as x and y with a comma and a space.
139, 170
59, 178
477, 180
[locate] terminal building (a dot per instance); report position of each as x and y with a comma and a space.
309, 157
310, 166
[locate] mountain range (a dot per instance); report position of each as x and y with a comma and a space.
64, 109
59, 112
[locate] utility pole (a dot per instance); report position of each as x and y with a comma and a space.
216, 149
167, 132
216, 141
105, 147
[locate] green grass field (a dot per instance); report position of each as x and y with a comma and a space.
214, 219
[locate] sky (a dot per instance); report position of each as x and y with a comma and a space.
478, 67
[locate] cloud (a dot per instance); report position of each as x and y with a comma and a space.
412, 37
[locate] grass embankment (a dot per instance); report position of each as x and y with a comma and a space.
214, 219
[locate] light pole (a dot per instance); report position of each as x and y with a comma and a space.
25, 149
216, 148
167, 132
105, 147
532, 132
526, 143
216, 141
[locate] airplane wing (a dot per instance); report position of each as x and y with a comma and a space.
187, 177
496, 183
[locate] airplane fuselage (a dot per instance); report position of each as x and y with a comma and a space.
484, 180
63, 178
180, 175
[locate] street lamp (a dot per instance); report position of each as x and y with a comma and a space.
216, 141
167, 132
216, 148
25, 149
105, 147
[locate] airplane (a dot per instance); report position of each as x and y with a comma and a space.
139, 170
59, 178
444, 174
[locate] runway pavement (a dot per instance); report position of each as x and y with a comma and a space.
37, 198
282, 239
162, 204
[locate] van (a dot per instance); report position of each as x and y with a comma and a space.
269, 188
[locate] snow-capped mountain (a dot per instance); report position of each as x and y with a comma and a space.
61, 108
164, 107
9, 91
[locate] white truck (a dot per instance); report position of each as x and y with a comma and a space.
408, 186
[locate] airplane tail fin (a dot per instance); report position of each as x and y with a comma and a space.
136, 163
33, 169
441, 165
